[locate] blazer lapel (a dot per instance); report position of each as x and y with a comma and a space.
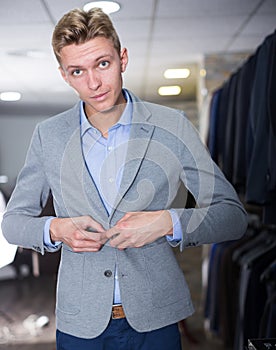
140, 136
76, 181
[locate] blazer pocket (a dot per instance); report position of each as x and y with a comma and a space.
166, 278
70, 283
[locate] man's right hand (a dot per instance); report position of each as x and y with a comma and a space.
82, 234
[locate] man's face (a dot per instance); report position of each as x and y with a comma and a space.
94, 69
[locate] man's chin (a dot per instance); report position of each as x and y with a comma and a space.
104, 109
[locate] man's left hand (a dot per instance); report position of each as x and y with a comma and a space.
136, 229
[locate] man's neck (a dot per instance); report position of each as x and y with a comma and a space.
103, 121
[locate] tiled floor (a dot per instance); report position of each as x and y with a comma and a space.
24, 301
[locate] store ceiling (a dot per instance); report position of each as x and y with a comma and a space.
159, 34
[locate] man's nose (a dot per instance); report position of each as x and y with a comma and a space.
94, 81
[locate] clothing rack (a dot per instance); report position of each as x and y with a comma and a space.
242, 129
241, 287
240, 299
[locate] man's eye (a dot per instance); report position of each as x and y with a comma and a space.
77, 72
104, 64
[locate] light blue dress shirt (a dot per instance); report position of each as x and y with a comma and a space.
105, 158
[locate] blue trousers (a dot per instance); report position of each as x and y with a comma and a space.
120, 336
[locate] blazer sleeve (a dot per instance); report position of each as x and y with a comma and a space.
22, 224
218, 214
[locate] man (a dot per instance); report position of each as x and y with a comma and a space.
114, 164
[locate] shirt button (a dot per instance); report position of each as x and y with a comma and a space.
108, 273
111, 179
109, 148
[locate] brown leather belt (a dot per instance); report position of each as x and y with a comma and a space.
117, 312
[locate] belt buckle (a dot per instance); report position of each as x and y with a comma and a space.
117, 312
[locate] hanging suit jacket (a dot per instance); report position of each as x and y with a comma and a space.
163, 150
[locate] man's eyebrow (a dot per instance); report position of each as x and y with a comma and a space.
104, 56
74, 66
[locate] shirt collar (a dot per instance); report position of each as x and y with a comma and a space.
125, 118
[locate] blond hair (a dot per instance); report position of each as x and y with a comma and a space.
79, 26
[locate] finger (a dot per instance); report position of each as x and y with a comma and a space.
119, 241
90, 229
112, 232
87, 223
112, 238
95, 227
91, 234
85, 245
98, 237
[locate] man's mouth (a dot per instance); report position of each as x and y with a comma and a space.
99, 96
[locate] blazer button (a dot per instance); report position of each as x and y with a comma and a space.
108, 273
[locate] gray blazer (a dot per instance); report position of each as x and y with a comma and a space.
164, 150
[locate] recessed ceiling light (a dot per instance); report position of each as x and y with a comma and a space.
27, 53
107, 6
169, 90
202, 72
3, 179
10, 96
36, 54
182, 73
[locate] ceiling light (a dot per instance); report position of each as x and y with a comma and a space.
10, 96
27, 53
182, 73
169, 90
202, 72
35, 54
107, 6
3, 179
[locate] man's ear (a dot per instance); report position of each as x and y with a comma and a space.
124, 59
63, 74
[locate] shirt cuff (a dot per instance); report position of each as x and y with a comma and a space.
46, 235
177, 229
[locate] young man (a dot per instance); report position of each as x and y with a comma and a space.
114, 164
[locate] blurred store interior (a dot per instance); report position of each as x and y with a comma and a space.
209, 41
